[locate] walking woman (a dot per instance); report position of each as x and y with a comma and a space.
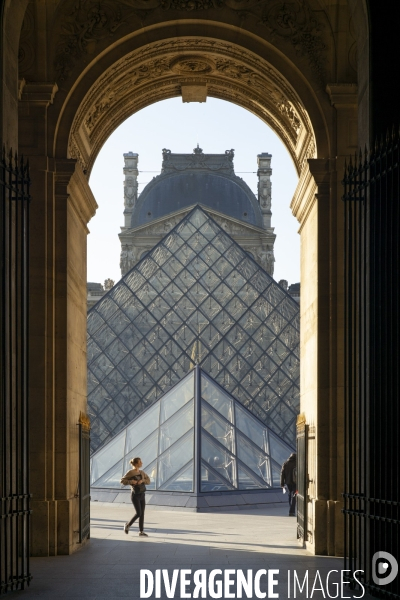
137, 479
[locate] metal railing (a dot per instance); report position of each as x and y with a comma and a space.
372, 294
14, 480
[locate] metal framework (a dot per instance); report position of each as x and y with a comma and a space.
197, 297
14, 480
195, 438
372, 488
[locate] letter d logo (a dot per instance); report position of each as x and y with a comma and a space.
384, 568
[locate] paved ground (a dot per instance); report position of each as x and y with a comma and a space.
109, 566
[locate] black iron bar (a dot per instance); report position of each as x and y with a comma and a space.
14, 488
371, 505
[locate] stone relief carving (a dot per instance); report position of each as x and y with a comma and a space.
186, 65
311, 152
197, 65
236, 75
295, 21
85, 23
128, 257
266, 259
130, 192
108, 284
112, 94
265, 197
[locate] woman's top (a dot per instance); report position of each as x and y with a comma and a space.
136, 475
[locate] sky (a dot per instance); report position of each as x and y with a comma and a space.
216, 126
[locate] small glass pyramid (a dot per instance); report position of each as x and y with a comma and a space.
197, 297
196, 438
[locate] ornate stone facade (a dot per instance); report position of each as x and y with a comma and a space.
138, 237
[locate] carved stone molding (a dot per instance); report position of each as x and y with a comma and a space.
86, 23
158, 71
192, 64
314, 182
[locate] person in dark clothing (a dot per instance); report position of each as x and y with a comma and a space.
288, 478
137, 479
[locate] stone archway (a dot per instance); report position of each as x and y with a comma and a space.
194, 68
102, 61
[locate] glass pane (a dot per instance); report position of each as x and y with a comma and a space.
176, 398
183, 482
276, 476
217, 427
151, 471
211, 482
147, 451
174, 459
111, 479
105, 458
217, 398
176, 426
253, 458
219, 459
247, 481
279, 450
250, 427
142, 427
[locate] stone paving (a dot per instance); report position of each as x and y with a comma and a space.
109, 565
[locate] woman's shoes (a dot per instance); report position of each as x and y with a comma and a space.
126, 528
143, 534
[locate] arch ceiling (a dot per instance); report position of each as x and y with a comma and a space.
110, 58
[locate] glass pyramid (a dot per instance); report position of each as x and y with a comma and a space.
197, 297
196, 438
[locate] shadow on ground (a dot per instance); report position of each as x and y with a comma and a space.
255, 541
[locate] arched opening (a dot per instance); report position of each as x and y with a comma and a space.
62, 128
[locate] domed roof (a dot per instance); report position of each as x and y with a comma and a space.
173, 191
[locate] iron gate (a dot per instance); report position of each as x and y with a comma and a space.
302, 479
372, 288
14, 481
84, 478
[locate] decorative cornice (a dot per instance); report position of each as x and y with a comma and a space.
71, 185
313, 182
38, 93
343, 95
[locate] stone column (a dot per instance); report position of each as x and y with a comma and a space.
318, 206
61, 207
130, 186
264, 199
